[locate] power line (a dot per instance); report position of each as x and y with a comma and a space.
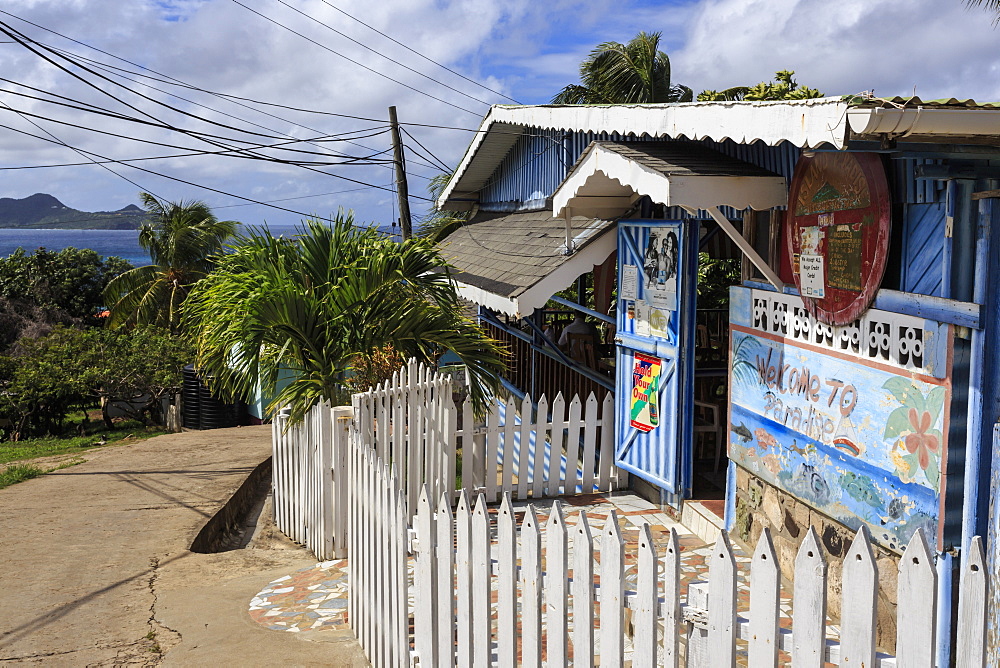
441, 162
391, 60
190, 183
415, 52
347, 58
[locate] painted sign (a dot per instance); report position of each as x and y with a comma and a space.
837, 233
858, 436
645, 415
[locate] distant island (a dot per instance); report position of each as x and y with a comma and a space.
42, 211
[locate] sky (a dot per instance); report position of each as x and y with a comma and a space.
178, 59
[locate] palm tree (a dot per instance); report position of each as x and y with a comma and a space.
784, 88
181, 239
309, 306
989, 5
438, 224
614, 73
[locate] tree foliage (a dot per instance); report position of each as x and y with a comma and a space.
70, 367
633, 73
784, 87
181, 241
310, 306
439, 223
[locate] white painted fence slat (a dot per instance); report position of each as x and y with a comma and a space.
556, 567
507, 584
531, 590
481, 570
612, 649
589, 445
490, 468
607, 448
583, 593
809, 604
916, 605
572, 446
553, 476
971, 651
425, 633
671, 600
860, 589
444, 597
449, 484
647, 603
541, 433
524, 448
722, 604
463, 582
764, 599
509, 429
472, 452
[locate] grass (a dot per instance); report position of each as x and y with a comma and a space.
12, 451
16, 473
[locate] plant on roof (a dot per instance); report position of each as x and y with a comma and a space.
783, 88
633, 73
317, 304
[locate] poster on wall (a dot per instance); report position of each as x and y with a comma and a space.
644, 413
660, 267
837, 233
858, 433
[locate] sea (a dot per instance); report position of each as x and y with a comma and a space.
123, 243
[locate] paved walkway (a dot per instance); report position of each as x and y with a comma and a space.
314, 599
96, 569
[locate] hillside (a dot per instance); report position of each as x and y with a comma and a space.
42, 211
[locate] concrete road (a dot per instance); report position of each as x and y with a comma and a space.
95, 568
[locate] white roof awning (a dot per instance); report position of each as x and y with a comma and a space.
609, 176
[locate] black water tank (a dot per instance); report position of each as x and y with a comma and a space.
202, 410
191, 399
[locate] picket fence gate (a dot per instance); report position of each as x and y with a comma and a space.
456, 570
412, 422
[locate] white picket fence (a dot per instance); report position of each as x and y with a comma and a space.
457, 568
413, 423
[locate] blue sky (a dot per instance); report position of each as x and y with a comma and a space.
524, 49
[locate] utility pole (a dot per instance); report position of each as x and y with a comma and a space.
401, 190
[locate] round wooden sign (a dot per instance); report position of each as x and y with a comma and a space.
837, 233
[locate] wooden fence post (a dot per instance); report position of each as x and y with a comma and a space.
444, 602
481, 575
765, 595
556, 613
809, 606
916, 605
646, 613
857, 626
972, 608
722, 604
556, 447
583, 593
531, 590
612, 594
463, 581
507, 583
671, 600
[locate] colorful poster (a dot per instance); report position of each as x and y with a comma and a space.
661, 266
645, 414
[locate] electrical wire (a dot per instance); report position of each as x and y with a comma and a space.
441, 162
415, 52
379, 53
349, 59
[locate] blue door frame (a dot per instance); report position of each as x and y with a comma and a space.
656, 326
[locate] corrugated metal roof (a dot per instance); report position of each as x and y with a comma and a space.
914, 101
680, 158
509, 255
804, 123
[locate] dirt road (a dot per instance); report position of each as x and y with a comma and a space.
95, 567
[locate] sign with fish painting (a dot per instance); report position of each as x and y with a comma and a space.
861, 439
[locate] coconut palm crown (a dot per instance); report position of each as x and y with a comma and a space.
307, 308
636, 73
181, 239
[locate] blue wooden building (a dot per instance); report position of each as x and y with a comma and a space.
853, 380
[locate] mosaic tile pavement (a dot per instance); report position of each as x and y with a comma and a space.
315, 598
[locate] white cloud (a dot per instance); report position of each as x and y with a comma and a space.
525, 49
